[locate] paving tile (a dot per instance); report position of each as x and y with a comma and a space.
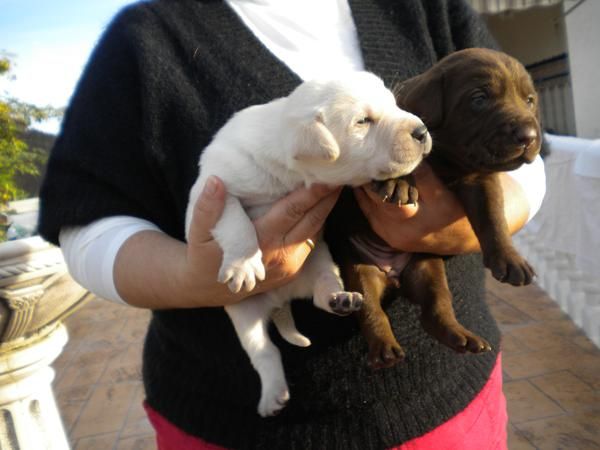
537, 306
564, 327
553, 359
588, 371
505, 314
134, 329
526, 402
69, 413
147, 442
538, 336
510, 344
492, 285
105, 411
98, 310
551, 375
137, 422
100, 442
78, 380
568, 391
99, 351
125, 366
584, 342
61, 363
88, 331
576, 432
531, 300
137, 409
516, 440
139, 427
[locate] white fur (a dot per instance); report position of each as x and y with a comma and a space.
263, 153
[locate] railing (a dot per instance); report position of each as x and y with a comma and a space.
499, 6
553, 83
562, 241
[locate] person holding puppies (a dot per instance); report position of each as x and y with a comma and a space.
165, 76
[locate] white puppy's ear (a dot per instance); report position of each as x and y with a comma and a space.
315, 142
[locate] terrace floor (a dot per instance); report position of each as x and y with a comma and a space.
551, 375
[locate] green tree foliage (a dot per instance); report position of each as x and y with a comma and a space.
16, 157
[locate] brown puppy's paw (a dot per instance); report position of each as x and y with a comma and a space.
456, 337
510, 267
384, 354
462, 341
344, 303
400, 191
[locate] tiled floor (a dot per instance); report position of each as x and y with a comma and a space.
551, 373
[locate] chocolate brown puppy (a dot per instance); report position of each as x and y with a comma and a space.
480, 107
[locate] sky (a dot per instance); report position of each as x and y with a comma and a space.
49, 42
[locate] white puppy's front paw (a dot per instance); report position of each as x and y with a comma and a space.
273, 399
242, 272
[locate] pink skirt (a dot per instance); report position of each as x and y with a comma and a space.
481, 425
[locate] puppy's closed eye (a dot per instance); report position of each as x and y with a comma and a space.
479, 99
364, 120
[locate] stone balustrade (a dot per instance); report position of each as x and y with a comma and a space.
36, 293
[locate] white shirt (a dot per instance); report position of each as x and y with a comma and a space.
314, 38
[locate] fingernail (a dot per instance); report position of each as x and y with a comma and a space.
211, 186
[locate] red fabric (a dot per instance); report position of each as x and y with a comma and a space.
480, 426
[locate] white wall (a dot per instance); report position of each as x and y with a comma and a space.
530, 35
583, 36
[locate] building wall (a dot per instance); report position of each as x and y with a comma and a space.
530, 35
583, 36
538, 35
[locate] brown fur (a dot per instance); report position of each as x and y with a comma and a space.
481, 109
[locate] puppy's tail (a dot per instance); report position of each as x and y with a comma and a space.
284, 322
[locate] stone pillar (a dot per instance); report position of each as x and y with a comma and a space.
36, 293
29, 416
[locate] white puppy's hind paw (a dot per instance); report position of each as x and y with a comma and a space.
242, 272
273, 399
344, 303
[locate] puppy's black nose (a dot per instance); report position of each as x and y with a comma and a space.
420, 134
525, 135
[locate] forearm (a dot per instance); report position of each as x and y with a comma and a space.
459, 238
150, 271
129, 260
126, 259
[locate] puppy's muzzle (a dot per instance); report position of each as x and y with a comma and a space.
520, 142
420, 134
525, 135
527, 138
420, 142
412, 142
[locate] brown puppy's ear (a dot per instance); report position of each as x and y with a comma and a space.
315, 142
423, 96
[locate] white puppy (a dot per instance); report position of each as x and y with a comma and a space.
346, 131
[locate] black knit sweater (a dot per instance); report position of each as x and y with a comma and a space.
163, 78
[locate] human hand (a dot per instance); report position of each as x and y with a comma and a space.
284, 230
436, 224
282, 235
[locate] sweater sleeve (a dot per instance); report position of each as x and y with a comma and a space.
99, 166
90, 252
